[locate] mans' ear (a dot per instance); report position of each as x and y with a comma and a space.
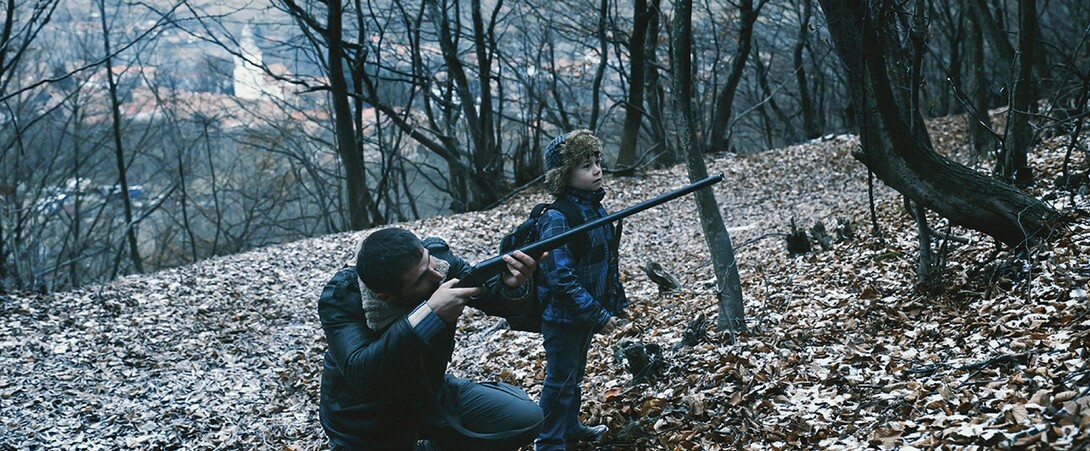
385, 297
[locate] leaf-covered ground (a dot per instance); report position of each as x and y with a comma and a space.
843, 350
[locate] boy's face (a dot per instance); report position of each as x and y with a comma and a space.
587, 176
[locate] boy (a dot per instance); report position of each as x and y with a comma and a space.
578, 284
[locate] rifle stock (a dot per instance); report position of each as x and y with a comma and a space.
492, 267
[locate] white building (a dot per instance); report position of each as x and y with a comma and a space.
250, 80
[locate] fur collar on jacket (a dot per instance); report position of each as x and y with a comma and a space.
380, 314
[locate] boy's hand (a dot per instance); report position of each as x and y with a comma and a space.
448, 302
609, 327
520, 268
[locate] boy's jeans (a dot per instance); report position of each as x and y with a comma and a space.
566, 348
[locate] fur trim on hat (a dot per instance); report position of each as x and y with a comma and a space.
576, 147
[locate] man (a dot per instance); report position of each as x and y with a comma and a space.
389, 323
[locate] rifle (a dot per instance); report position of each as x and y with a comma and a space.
492, 267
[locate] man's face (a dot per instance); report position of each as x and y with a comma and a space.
588, 175
419, 282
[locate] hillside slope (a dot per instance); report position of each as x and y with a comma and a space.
841, 351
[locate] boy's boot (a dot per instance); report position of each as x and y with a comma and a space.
586, 433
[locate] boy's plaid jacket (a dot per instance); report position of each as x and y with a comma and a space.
582, 289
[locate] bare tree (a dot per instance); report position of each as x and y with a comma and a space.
810, 119
917, 35
950, 32
766, 96
720, 125
979, 122
641, 19
23, 24
119, 149
995, 37
348, 143
529, 72
1012, 162
487, 173
905, 160
662, 149
343, 60
1073, 82
729, 286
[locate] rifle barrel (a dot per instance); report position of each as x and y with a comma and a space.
485, 270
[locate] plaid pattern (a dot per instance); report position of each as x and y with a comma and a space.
585, 290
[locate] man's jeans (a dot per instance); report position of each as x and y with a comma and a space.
566, 348
482, 416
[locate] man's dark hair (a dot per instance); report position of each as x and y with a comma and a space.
384, 258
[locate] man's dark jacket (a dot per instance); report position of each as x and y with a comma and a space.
377, 385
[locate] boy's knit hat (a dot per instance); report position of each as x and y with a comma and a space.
566, 152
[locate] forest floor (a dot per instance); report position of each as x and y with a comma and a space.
843, 349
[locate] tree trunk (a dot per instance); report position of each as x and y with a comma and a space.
3, 251
438, 136
770, 98
486, 158
562, 118
1073, 143
995, 37
356, 72
1037, 48
17, 40
213, 185
119, 149
1019, 131
185, 209
720, 133
5, 39
951, 27
810, 128
633, 111
729, 286
979, 122
486, 177
528, 164
603, 55
907, 162
348, 149
663, 148
74, 273
918, 37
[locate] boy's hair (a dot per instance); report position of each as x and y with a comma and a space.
384, 258
565, 153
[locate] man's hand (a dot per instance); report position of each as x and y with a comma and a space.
520, 268
448, 302
609, 327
